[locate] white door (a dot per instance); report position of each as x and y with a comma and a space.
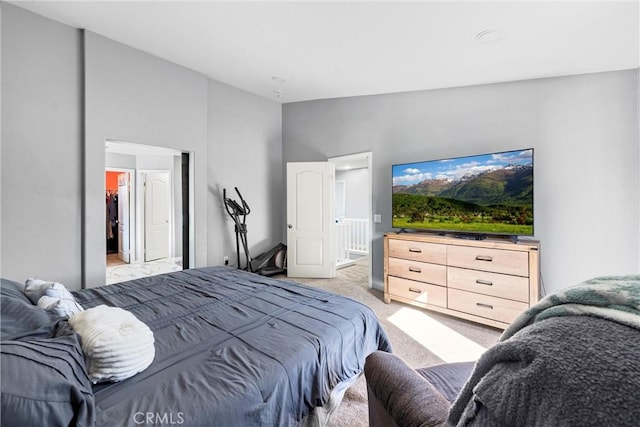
123, 217
157, 215
310, 219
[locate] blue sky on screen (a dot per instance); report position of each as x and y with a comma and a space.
456, 168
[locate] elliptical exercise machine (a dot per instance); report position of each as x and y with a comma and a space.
269, 263
237, 211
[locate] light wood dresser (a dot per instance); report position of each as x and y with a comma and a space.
486, 281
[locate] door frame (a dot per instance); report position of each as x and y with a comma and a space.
368, 158
136, 150
132, 210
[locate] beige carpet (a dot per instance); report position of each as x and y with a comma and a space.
420, 337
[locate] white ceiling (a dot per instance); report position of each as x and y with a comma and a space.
338, 49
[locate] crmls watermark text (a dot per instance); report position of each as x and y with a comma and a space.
158, 418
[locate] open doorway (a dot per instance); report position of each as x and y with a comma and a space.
353, 207
118, 215
146, 220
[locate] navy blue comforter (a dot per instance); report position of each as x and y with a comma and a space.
234, 349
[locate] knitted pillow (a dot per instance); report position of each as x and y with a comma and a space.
115, 343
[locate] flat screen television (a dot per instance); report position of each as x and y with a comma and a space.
474, 195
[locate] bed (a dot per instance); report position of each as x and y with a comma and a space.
231, 348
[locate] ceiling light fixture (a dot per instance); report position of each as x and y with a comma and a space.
488, 36
278, 93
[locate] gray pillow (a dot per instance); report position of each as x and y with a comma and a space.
19, 318
44, 381
12, 289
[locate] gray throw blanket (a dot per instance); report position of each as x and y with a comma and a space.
571, 360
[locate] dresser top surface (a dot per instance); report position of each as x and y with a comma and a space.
490, 242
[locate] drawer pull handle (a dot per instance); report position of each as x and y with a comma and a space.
417, 291
416, 250
484, 258
484, 282
479, 304
415, 270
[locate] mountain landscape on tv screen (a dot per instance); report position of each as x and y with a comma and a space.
498, 200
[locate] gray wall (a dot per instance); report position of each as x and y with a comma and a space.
136, 97
245, 143
356, 192
584, 131
53, 183
41, 146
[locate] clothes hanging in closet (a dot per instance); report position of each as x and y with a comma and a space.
112, 221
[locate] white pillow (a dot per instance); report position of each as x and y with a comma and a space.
62, 307
35, 288
51, 296
115, 343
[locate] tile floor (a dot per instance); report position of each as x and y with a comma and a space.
119, 271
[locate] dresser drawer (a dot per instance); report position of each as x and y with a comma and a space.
495, 260
502, 310
421, 271
418, 291
495, 284
418, 251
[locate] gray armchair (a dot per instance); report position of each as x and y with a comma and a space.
401, 396
570, 370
